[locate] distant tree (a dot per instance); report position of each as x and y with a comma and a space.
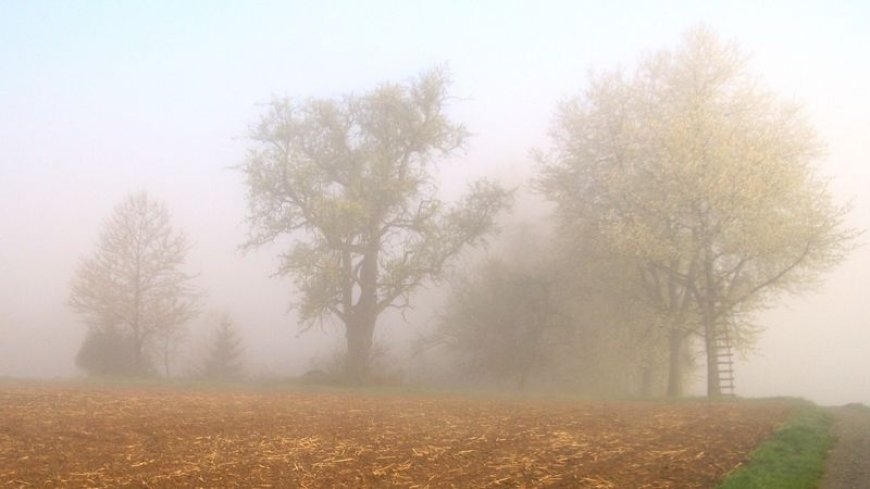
132, 287
500, 319
615, 345
351, 180
704, 180
223, 360
558, 313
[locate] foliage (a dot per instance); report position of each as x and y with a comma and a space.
703, 179
223, 360
132, 287
557, 314
499, 320
617, 344
351, 181
793, 459
106, 352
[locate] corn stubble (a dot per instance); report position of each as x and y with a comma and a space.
52, 436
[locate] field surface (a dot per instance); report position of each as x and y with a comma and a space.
88, 437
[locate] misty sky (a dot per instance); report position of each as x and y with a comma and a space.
98, 99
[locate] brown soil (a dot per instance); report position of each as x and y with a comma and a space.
69, 437
848, 465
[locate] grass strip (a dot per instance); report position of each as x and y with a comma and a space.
794, 458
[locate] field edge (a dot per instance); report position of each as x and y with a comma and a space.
793, 458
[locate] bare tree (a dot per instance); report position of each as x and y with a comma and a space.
133, 284
351, 180
703, 179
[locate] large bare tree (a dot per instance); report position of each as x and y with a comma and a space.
351, 180
705, 180
133, 284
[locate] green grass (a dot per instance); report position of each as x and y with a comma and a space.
794, 458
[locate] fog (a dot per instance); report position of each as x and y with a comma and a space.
98, 100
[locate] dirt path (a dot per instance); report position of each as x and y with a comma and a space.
849, 463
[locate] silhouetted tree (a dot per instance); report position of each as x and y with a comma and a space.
351, 180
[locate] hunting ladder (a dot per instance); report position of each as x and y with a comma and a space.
725, 361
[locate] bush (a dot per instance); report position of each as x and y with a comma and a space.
108, 352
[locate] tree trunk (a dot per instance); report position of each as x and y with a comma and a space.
646, 381
138, 360
707, 303
360, 323
359, 334
166, 355
646, 371
675, 363
713, 388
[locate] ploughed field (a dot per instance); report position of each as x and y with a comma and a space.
88, 437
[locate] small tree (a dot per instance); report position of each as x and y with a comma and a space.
351, 180
223, 360
133, 287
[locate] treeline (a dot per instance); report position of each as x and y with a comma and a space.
685, 199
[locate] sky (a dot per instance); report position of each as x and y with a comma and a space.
98, 99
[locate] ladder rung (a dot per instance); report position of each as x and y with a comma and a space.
723, 357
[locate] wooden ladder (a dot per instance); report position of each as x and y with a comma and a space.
725, 361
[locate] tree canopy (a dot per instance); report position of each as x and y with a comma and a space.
703, 178
351, 181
